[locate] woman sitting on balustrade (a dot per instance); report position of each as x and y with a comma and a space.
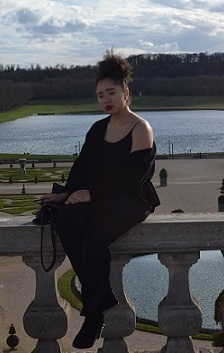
108, 191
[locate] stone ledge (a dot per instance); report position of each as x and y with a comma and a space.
158, 233
201, 350
173, 233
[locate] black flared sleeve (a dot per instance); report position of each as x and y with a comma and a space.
78, 178
81, 172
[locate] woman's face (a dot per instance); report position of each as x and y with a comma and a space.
112, 97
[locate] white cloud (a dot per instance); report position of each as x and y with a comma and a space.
78, 32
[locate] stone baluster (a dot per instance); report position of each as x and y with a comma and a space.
120, 320
179, 315
45, 319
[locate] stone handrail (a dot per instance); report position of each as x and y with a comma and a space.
178, 240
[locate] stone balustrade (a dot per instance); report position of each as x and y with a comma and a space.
178, 240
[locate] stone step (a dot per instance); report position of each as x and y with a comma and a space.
202, 350
131, 351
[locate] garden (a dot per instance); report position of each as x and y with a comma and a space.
20, 202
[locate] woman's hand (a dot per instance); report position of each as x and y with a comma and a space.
55, 198
79, 196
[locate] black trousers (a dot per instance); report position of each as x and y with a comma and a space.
86, 231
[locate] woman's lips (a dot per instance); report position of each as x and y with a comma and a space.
109, 107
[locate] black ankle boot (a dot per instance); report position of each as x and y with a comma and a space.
90, 331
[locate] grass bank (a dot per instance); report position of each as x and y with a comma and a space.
91, 106
50, 107
44, 158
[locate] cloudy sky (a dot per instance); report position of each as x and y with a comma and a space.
77, 32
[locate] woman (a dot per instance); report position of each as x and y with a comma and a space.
108, 191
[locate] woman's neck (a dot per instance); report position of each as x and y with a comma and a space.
122, 117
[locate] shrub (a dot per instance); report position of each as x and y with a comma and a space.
163, 173
178, 210
221, 199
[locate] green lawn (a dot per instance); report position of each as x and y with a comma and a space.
35, 157
50, 107
18, 204
169, 102
43, 174
91, 105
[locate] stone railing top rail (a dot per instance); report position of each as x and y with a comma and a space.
174, 233
158, 233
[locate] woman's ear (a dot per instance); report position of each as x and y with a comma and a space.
126, 93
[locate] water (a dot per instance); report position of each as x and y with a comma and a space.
51, 134
198, 131
146, 283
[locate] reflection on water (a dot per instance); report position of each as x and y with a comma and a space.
198, 131
146, 283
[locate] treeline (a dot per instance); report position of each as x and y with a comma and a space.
14, 94
154, 74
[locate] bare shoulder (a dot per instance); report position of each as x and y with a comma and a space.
142, 127
141, 122
142, 134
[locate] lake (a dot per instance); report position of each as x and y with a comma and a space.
198, 131
146, 283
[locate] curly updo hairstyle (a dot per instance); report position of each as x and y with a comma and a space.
115, 68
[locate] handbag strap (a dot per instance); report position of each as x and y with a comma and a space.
53, 236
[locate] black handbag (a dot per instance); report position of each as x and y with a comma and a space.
47, 215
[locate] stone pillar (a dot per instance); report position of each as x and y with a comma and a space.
179, 315
45, 318
120, 320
